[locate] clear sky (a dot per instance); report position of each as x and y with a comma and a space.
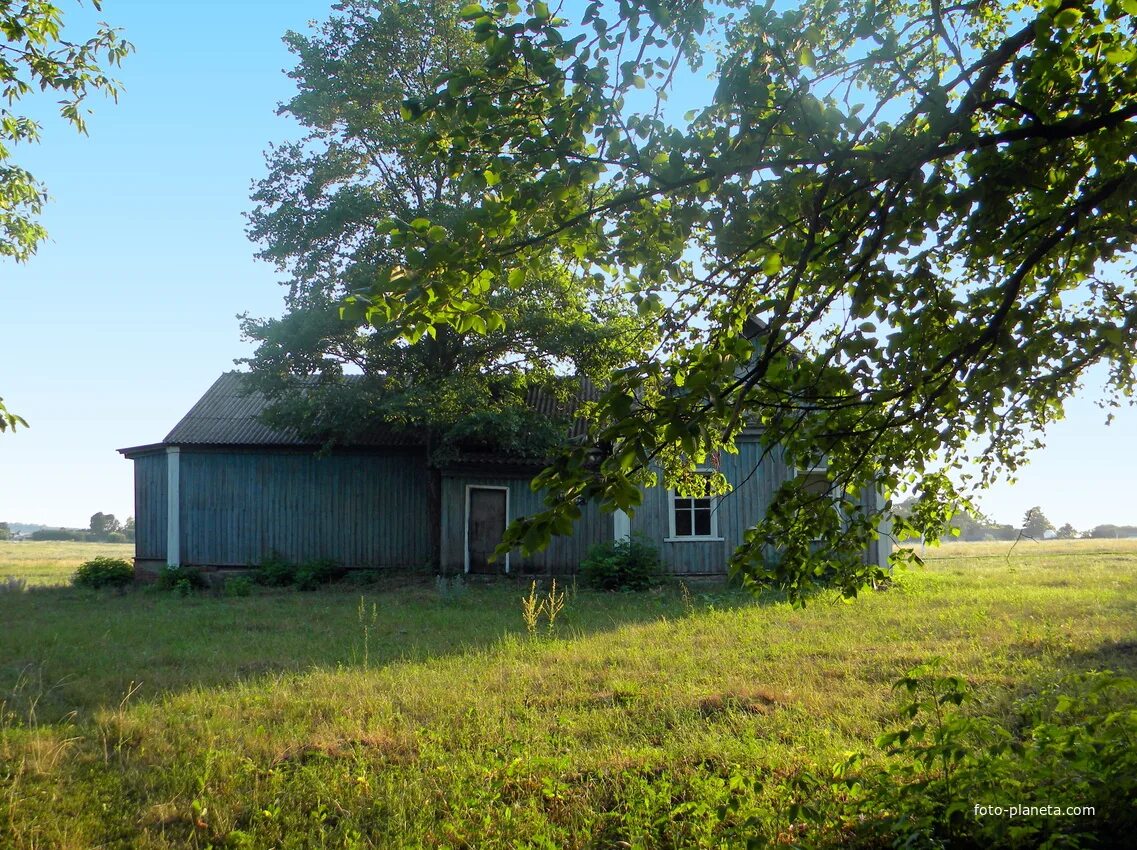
128, 313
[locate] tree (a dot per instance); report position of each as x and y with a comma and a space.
103, 525
5, 531
34, 55
1035, 524
929, 207
315, 218
1112, 531
1068, 532
128, 529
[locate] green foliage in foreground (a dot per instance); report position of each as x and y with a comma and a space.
928, 206
402, 719
104, 572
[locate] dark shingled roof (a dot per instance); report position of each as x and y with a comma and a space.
229, 415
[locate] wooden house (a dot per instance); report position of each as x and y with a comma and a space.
223, 490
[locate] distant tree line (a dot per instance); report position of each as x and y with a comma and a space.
103, 528
1034, 526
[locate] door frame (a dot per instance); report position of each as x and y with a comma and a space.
466, 525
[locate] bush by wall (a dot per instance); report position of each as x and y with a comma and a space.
629, 564
103, 572
275, 571
181, 579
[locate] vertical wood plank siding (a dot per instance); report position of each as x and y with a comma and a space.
563, 555
370, 509
150, 506
754, 480
365, 510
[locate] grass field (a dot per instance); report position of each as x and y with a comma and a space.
48, 563
414, 718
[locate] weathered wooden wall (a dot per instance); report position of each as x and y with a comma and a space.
361, 510
563, 555
369, 509
150, 506
754, 480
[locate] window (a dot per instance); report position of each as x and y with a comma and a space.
694, 518
816, 482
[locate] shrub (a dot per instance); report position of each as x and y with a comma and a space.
238, 586
628, 564
312, 574
275, 571
181, 579
103, 572
362, 578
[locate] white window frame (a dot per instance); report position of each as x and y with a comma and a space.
466, 525
672, 537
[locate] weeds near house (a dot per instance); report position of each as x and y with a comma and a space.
688, 602
554, 604
533, 607
367, 623
449, 589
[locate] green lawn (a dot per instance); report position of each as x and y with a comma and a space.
412, 718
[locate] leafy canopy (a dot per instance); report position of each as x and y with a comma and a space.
929, 207
359, 163
35, 56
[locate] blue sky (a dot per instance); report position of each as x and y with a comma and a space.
127, 314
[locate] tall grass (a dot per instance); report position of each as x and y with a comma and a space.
404, 719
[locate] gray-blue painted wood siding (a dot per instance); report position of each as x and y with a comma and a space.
366, 510
563, 555
754, 479
150, 506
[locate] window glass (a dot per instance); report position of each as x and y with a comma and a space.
693, 517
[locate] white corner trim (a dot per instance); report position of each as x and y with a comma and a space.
621, 525
173, 506
466, 524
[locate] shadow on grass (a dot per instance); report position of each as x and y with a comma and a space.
1117, 655
65, 650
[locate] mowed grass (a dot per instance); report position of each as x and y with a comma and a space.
47, 563
407, 718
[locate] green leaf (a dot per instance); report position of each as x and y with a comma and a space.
1068, 18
